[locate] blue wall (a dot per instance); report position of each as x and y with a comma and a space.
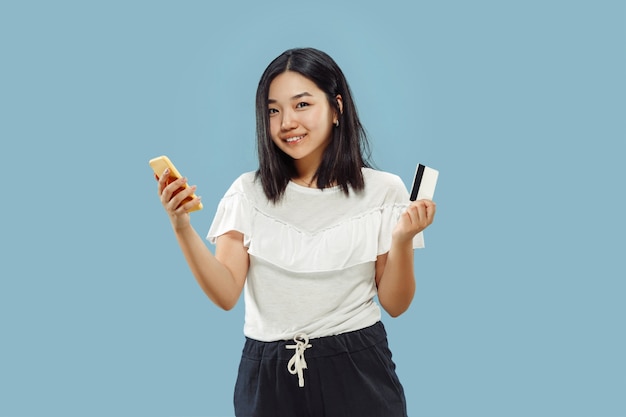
520, 105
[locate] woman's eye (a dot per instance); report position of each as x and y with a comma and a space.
301, 105
272, 111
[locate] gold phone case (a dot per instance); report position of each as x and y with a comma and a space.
159, 164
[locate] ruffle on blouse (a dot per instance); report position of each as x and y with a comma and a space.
353, 241
234, 212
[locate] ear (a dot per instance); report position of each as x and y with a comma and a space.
340, 105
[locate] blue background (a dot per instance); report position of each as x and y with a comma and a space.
521, 105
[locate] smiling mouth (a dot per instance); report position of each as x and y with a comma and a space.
295, 139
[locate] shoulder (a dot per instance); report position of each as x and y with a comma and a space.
243, 184
247, 188
376, 178
384, 187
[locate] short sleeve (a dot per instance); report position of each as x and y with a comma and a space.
234, 212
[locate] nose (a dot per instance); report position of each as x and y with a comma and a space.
288, 121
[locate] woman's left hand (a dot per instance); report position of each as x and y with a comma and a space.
417, 217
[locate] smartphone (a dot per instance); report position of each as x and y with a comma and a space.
159, 164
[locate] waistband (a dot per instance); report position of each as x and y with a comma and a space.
320, 347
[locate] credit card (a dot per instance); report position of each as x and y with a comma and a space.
424, 183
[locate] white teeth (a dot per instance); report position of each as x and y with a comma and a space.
294, 139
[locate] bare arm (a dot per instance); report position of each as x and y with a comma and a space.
221, 276
395, 277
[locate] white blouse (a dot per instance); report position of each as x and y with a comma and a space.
313, 254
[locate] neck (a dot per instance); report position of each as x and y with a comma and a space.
305, 183
306, 174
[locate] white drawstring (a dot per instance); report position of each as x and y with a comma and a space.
297, 363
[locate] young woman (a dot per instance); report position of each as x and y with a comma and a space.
311, 238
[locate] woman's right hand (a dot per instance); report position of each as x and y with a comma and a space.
172, 195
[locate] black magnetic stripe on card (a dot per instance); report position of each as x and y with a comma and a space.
417, 181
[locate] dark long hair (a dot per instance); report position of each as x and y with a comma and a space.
348, 150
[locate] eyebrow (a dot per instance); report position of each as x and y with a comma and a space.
296, 97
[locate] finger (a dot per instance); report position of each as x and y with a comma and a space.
177, 203
187, 207
172, 187
418, 211
162, 180
412, 219
171, 190
431, 209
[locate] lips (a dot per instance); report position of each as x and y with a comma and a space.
294, 139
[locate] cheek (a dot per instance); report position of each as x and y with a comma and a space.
274, 126
319, 120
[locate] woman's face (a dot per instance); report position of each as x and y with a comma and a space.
301, 120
